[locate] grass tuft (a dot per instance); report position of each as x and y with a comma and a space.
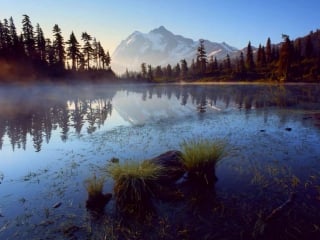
133, 186
200, 157
94, 185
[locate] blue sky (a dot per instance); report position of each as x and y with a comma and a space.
110, 21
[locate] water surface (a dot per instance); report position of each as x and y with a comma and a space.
52, 138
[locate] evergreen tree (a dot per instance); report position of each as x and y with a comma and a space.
6, 38
40, 44
95, 50
285, 60
73, 50
2, 44
58, 46
269, 57
106, 60
28, 37
143, 70
249, 59
228, 64
16, 46
242, 67
309, 47
184, 68
158, 73
87, 48
149, 74
177, 70
169, 71
50, 58
201, 57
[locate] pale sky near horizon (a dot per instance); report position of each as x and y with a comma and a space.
235, 22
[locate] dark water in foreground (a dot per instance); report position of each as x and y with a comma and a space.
53, 138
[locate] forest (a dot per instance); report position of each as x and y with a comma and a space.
289, 61
30, 56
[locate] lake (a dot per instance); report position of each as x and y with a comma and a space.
53, 138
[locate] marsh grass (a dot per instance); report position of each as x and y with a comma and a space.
94, 185
200, 158
134, 186
96, 199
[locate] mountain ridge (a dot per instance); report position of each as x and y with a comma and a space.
161, 47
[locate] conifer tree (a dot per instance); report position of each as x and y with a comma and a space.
285, 60
87, 48
184, 68
28, 37
249, 59
73, 50
269, 57
40, 43
201, 57
58, 46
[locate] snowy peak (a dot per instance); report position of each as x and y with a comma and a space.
161, 47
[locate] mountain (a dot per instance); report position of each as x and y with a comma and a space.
161, 47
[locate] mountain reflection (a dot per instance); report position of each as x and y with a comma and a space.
38, 111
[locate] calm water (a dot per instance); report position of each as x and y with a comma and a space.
53, 138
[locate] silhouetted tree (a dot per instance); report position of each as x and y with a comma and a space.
58, 46
184, 68
149, 74
40, 44
50, 57
269, 57
241, 66
28, 37
73, 50
286, 54
106, 59
228, 64
17, 48
87, 48
143, 70
309, 47
249, 59
177, 70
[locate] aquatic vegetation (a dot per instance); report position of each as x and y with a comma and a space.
200, 158
96, 199
94, 185
134, 186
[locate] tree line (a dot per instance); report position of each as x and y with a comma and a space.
31, 53
291, 60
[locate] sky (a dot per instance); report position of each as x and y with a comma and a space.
235, 22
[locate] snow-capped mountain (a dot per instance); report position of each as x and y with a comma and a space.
161, 47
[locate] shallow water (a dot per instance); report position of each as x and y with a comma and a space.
52, 138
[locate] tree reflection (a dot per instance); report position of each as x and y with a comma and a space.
23, 114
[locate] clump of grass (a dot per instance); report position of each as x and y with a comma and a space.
96, 199
94, 185
134, 184
200, 158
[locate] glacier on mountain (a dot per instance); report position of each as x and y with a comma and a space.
161, 47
